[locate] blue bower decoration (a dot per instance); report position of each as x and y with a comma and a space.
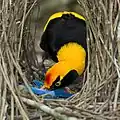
47, 94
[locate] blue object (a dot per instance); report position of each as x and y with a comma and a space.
59, 93
47, 94
38, 91
38, 83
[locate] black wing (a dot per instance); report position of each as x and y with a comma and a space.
63, 30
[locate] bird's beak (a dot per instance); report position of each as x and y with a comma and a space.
43, 87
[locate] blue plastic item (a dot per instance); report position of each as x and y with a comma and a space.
59, 93
39, 91
38, 83
47, 94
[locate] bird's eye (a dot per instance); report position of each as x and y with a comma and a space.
58, 83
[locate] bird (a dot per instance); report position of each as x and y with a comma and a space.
64, 39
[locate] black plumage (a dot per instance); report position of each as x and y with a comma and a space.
62, 30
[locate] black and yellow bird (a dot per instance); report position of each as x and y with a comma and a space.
64, 38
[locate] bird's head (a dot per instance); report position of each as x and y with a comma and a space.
59, 76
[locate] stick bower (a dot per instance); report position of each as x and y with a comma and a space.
99, 98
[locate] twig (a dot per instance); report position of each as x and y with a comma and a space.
3, 70
12, 84
4, 104
21, 33
47, 109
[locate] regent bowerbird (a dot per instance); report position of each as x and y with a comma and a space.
64, 39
